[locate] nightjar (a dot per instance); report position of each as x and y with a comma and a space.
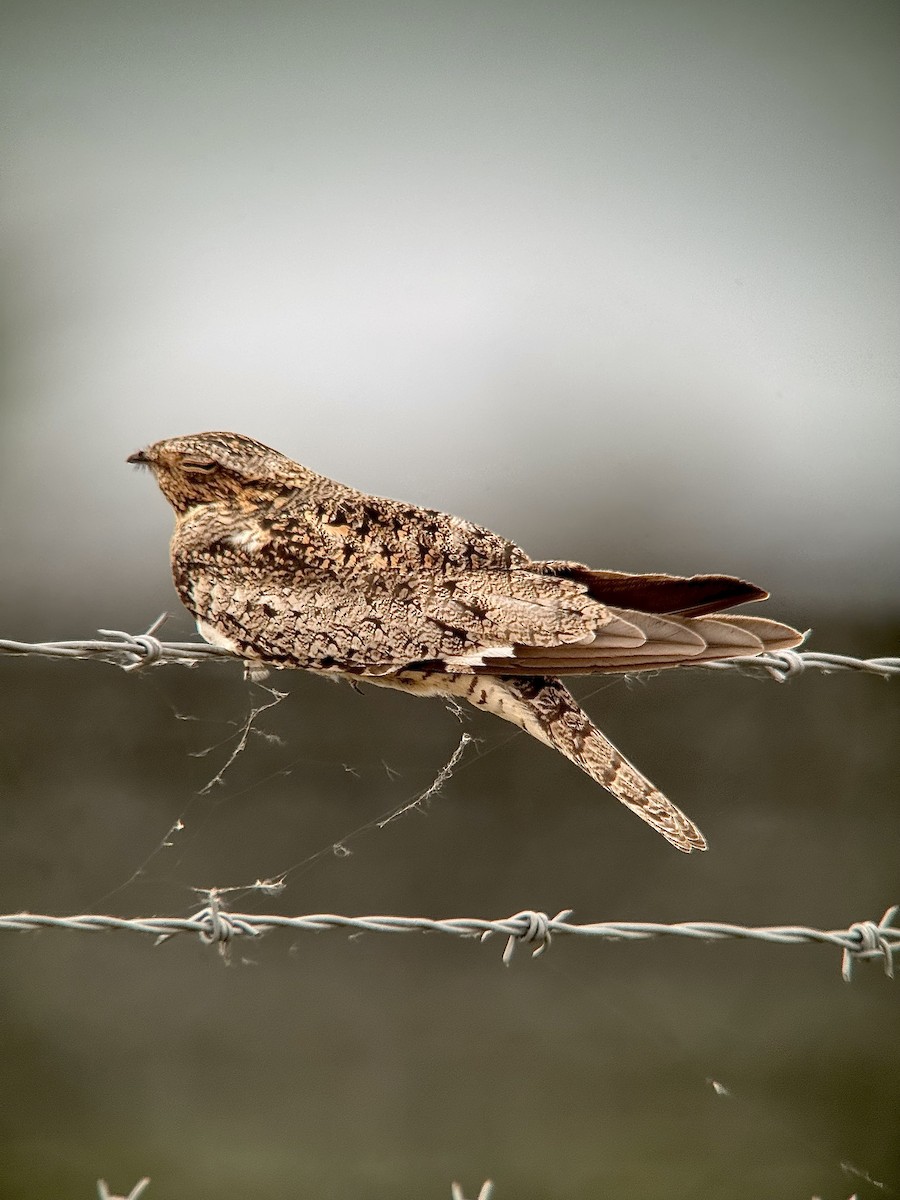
287, 568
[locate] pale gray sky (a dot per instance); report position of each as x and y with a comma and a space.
620, 279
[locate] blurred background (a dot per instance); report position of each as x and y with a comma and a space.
619, 280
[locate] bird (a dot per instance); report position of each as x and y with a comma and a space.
287, 568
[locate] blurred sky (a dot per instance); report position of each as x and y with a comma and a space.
620, 279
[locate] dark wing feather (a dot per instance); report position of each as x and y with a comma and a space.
691, 596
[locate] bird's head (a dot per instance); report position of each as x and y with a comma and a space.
208, 468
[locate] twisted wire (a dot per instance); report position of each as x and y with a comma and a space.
214, 925
134, 651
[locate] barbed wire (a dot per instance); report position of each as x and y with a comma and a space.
214, 925
862, 940
133, 651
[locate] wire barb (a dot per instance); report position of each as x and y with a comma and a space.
219, 928
485, 1193
150, 645
862, 941
137, 1191
535, 930
873, 942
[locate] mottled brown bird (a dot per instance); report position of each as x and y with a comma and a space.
290, 569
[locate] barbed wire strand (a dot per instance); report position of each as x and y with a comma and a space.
134, 651
863, 940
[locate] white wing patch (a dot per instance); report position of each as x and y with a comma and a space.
476, 658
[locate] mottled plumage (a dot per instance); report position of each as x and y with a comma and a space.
290, 569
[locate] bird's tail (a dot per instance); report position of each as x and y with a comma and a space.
544, 708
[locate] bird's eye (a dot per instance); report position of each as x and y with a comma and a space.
199, 466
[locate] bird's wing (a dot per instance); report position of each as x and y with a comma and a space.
356, 583
380, 620
564, 624
342, 582
503, 622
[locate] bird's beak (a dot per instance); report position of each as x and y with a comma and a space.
140, 457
